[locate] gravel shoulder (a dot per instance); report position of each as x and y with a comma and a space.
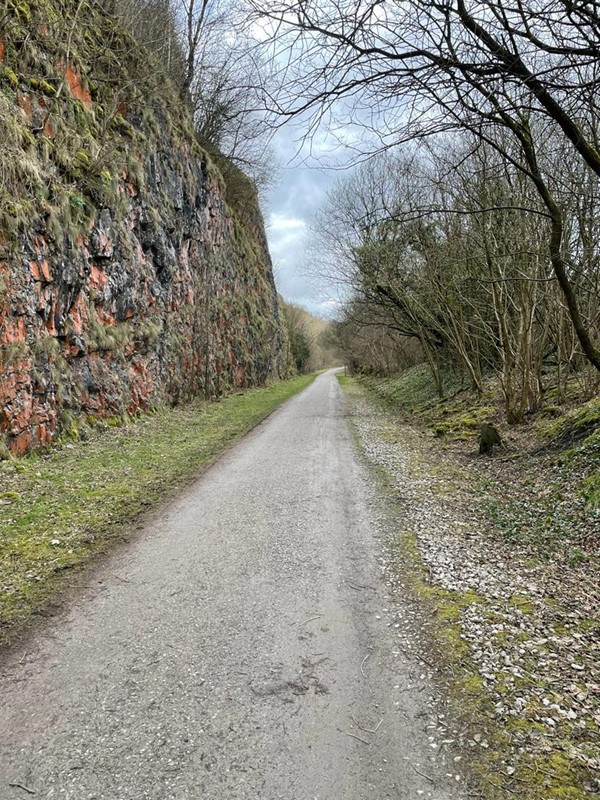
514, 638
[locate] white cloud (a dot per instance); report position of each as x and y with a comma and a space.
290, 207
279, 222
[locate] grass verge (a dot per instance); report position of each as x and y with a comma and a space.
60, 508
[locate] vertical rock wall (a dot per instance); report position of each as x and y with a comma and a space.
126, 280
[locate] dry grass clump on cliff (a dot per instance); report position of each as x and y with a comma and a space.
58, 510
20, 171
64, 126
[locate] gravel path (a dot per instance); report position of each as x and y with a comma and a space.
242, 646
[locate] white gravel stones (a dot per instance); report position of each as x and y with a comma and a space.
538, 659
457, 556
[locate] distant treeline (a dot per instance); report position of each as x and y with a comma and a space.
311, 342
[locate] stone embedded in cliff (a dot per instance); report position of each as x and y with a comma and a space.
126, 280
77, 86
103, 236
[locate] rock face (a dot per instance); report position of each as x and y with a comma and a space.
127, 279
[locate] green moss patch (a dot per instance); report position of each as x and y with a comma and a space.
590, 489
59, 509
456, 417
575, 426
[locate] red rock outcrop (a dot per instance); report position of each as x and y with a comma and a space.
127, 281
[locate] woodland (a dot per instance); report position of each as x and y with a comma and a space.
467, 234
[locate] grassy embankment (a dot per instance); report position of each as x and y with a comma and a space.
538, 502
59, 508
544, 491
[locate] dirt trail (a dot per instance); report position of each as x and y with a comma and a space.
236, 649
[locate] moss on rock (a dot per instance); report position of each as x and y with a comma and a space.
124, 242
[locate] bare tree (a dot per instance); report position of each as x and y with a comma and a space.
412, 70
152, 25
201, 46
224, 80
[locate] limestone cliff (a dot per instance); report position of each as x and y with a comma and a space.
127, 279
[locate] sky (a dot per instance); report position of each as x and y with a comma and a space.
306, 167
288, 208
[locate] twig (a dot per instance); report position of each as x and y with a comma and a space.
418, 657
429, 664
20, 786
504, 788
360, 739
362, 665
422, 774
23, 657
360, 585
306, 621
362, 728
